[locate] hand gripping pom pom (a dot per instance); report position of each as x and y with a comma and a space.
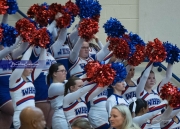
87, 29
121, 72
138, 56
26, 29
13, 6
155, 51
3, 7
173, 53
9, 35
114, 28
64, 21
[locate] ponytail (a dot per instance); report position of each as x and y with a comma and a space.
48, 79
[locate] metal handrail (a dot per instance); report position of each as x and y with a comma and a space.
161, 66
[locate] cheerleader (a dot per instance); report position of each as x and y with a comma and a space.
144, 117
79, 57
21, 86
57, 73
74, 103
146, 83
130, 88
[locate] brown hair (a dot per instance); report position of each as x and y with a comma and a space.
81, 123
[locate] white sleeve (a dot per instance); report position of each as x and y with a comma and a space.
74, 54
143, 79
51, 26
5, 18
109, 105
8, 50
100, 44
54, 33
60, 41
103, 53
40, 66
167, 78
71, 97
17, 73
73, 37
56, 89
140, 120
163, 117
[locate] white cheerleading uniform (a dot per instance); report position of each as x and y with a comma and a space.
114, 100
169, 123
55, 96
148, 120
74, 104
98, 115
130, 91
23, 93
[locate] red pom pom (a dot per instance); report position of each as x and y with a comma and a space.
138, 56
113, 43
96, 18
26, 29
105, 76
3, 7
91, 69
87, 29
41, 38
64, 21
54, 8
72, 8
32, 11
155, 51
1, 34
121, 50
167, 92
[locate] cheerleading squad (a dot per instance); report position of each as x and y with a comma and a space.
74, 78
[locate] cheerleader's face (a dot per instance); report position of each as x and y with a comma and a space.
60, 74
131, 72
151, 81
120, 86
78, 85
84, 52
27, 71
116, 118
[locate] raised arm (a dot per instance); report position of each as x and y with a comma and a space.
143, 79
5, 18
74, 54
40, 64
60, 40
17, 73
50, 28
71, 97
140, 120
103, 53
73, 37
167, 77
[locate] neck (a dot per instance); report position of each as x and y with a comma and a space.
24, 78
84, 58
128, 80
57, 81
117, 92
149, 90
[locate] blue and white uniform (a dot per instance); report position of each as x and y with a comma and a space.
74, 104
40, 82
23, 92
98, 116
114, 100
55, 96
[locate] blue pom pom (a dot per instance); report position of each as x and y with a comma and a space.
173, 53
13, 6
72, 21
45, 5
156, 64
9, 35
135, 39
51, 40
113, 28
132, 49
121, 72
88, 8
